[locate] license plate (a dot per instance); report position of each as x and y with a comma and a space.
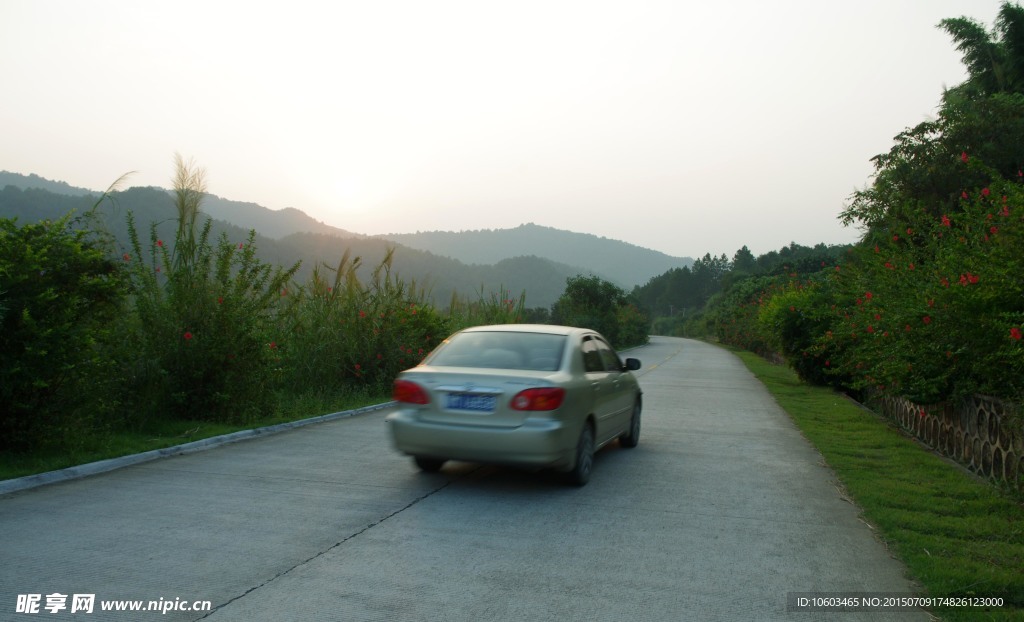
474, 402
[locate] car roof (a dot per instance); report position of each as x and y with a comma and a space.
549, 329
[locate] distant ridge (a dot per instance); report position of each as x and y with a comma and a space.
274, 224
624, 263
529, 258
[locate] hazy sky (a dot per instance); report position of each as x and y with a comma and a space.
682, 126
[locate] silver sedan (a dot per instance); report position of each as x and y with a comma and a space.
520, 394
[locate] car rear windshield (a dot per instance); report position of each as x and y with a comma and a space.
501, 350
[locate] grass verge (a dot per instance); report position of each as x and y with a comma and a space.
958, 536
169, 433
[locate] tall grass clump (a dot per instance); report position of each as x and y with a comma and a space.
343, 334
499, 307
206, 316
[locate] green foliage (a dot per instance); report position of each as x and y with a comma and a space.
935, 309
60, 294
591, 302
345, 333
931, 304
498, 308
797, 320
206, 319
685, 302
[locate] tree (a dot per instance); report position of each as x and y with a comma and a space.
983, 119
994, 61
592, 302
744, 261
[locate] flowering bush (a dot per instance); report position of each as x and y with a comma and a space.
205, 319
935, 304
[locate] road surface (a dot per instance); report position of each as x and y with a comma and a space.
722, 512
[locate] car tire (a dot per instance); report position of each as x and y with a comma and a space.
632, 436
429, 465
584, 464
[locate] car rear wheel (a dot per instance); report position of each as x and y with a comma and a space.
632, 436
429, 465
580, 473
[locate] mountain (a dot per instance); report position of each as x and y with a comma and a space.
620, 262
529, 258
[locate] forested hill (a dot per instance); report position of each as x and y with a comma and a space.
265, 221
287, 236
621, 262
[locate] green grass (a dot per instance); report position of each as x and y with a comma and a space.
957, 535
169, 433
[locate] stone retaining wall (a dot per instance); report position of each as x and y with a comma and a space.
984, 434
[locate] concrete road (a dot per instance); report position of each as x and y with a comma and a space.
720, 512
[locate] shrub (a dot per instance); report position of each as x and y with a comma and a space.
61, 294
206, 318
346, 333
936, 302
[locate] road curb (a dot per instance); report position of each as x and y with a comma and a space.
102, 466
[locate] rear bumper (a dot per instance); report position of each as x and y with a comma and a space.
535, 443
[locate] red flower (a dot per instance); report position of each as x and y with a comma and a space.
927, 319
187, 336
1015, 333
273, 345
160, 243
868, 295
963, 195
985, 192
126, 257
993, 230
963, 156
945, 221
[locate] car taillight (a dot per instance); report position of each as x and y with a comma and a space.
409, 392
546, 398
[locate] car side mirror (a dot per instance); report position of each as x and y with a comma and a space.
633, 364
